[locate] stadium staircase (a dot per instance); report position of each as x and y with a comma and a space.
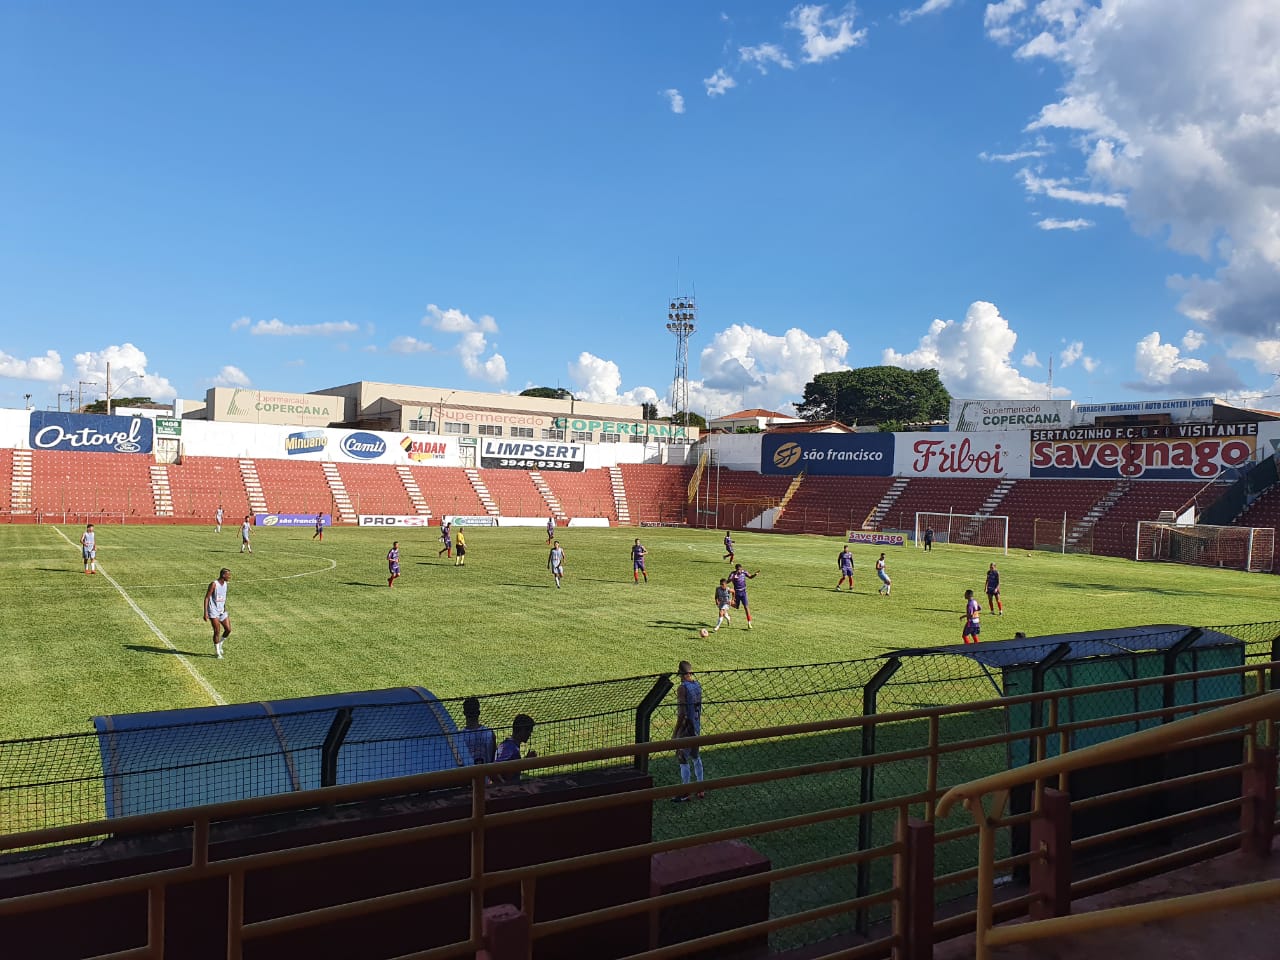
886, 504
619, 495
20, 484
161, 493
411, 487
482, 491
1098, 511
994, 498
549, 495
792, 490
341, 499
253, 486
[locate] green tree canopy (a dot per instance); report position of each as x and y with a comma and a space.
876, 395
689, 419
547, 393
650, 410
100, 406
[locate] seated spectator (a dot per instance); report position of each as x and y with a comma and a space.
521, 731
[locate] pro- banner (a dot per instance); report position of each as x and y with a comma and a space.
90, 433
1186, 451
827, 454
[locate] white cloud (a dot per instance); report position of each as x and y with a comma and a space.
241, 323
926, 8
996, 20
454, 320
129, 376
1074, 353
719, 83
762, 55
1089, 364
47, 368
973, 357
825, 37
1053, 223
675, 99
1192, 340
1029, 359
1060, 190
1039, 149
409, 345
295, 363
230, 376
472, 342
276, 328
1162, 367
600, 381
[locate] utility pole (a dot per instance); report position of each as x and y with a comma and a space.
108, 388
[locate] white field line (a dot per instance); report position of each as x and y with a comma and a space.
205, 685
332, 565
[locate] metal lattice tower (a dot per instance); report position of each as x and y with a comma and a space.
681, 319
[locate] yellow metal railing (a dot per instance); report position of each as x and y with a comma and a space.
696, 479
986, 798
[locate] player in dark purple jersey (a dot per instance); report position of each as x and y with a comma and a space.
638, 553
739, 579
393, 563
844, 563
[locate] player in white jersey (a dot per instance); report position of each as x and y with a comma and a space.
885, 583
89, 549
217, 519
215, 610
555, 561
245, 527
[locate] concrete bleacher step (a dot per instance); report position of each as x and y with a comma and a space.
887, 501
338, 489
482, 491
161, 493
20, 482
253, 486
619, 495
411, 487
1099, 510
552, 501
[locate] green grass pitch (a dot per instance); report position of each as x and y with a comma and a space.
315, 617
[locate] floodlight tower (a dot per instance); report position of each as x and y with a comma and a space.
682, 316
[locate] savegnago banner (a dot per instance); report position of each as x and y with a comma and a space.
1181, 452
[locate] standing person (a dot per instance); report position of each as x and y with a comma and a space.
217, 519
89, 549
555, 562
739, 579
319, 534
688, 724
461, 559
479, 744
722, 604
885, 583
638, 553
393, 563
972, 612
244, 534
521, 731
215, 610
446, 537
993, 591
551, 528
844, 563
928, 539
728, 546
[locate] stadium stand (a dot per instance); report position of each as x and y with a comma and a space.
201, 484
737, 497
376, 488
448, 491
1263, 512
514, 493
940, 495
832, 505
1047, 500
294, 486
87, 484
1116, 531
656, 493
586, 494
6, 480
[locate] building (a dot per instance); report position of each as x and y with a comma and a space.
748, 420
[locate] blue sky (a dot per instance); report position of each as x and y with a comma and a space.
295, 196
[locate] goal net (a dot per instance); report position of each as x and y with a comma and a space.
971, 529
1239, 548
1062, 536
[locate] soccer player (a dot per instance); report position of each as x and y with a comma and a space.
638, 553
722, 604
844, 563
217, 519
479, 744
555, 562
688, 724
739, 579
319, 534
215, 610
728, 546
89, 549
885, 583
446, 537
393, 563
551, 529
972, 612
521, 731
461, 559
993, 591
244, 534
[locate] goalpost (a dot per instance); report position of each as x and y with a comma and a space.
1240, 548
972, 529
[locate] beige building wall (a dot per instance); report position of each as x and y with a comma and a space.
239, 405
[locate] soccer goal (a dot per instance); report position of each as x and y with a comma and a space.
1061, 535
1238, 548
971, 529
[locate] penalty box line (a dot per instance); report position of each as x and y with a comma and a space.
205, 685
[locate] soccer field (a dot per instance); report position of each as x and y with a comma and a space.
315, 617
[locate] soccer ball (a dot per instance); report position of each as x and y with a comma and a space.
703, 633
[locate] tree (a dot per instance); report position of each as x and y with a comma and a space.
100, 406
650, 410
547, 393
687, 419
876, 395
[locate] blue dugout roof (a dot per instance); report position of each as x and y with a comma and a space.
169, 759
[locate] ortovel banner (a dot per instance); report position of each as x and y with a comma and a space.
88, 433
827, 454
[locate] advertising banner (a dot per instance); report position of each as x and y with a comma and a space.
980, 455
878, 539
1199, 410
89, 433
241, 405
306, 441
388, 520
531, 455
291, 520
968, 416
1175, 452
470, 521
827, 454
168, 427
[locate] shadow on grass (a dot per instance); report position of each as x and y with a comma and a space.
674, 625
1130, 588
361, 583
58, 570
145, 648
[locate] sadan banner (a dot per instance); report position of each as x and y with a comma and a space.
1165, 452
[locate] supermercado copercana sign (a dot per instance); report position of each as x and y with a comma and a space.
88, 433
968, 416
827, 454
1188, 451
